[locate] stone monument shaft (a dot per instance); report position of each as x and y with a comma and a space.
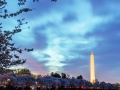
92, 68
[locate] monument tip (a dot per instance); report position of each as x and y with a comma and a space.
92, 53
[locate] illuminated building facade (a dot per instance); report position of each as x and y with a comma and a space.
92, 69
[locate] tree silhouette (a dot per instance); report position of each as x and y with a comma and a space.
57, 75
4, 11
3, 4
79, 77
8, 56
52, 74
8, 52
24, 71
63, 75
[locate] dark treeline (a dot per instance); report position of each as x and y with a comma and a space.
23, 79
64, 75
8, 87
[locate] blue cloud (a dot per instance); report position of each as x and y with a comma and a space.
40, 39
70, 17
105, 7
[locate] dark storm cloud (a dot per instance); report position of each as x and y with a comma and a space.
46, 6
40, 7
105, 7
40, 39
109, 32
40, 36
70, 17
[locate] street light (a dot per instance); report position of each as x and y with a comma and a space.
8, 79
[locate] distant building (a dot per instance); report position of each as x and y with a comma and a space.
92, 69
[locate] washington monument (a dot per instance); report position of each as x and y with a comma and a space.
92, 69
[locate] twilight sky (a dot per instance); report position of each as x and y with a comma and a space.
64, 33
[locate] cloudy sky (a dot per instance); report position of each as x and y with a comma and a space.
64, 33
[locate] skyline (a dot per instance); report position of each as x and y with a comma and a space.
64, 33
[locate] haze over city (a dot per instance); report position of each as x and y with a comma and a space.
64, 33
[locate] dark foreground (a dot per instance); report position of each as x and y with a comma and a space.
28, 88
50, 89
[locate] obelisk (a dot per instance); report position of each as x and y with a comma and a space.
92, 69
